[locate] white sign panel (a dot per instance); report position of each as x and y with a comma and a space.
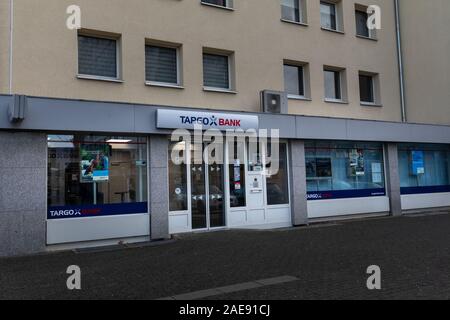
179, 119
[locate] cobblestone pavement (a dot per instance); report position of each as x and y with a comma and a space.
329, 260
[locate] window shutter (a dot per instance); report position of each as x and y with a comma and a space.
97, 56
161, 64
215, 71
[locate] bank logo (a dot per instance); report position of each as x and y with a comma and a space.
212, 121
65, 213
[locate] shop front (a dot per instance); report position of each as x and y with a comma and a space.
345, 178
235, 178
424, 175
97, 188
234, 190
144, 174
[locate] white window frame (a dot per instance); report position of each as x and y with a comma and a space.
179, 84
375, 89
297, 96
230, 88
118, 77
341, 92
301, 13
372, 33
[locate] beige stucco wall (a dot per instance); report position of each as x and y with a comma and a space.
4, 47
45, 61
426, 51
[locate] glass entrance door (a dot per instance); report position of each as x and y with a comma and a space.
207, 191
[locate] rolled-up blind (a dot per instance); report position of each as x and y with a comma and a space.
215, 71
97, 56
161, 64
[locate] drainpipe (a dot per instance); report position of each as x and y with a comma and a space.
400, 60
11, 32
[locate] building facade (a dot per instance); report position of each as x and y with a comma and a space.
87, 116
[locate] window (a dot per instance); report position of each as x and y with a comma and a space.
277, 184
328, 16
424, 168
294, 80
290, 10
333, 90
161, 65
361, 24
98, 175
219, 3
344, 169
362, 30
216, 71
366, 88
98, 57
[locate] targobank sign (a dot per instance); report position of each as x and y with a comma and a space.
179, 119
90, 211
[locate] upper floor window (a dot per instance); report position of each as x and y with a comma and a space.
361, 24
369, 88
98, 57
293, 11
330, 15
162, 65
219, 3
294, 80
335, 85
332, 85
216, 71
361, 17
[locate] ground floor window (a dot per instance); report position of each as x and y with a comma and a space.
424, 168
178, 177
277, 183
96, 176
344, 169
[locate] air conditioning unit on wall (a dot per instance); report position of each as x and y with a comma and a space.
274, 102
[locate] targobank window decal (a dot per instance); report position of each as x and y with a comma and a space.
89, 211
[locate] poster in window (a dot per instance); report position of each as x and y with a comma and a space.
356, 166
94, 163
237, 174
324, 168
311, 171
417, 163
377, 173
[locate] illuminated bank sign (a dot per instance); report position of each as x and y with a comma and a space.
178, 119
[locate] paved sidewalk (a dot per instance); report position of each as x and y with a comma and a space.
321, 262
